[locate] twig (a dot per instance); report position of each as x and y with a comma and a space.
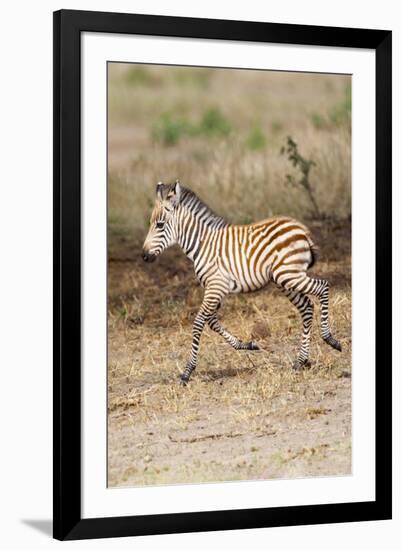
217, 436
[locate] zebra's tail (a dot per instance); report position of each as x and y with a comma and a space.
315, 252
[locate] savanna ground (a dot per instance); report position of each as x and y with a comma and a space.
244, 415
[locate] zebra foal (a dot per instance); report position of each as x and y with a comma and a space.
237, 258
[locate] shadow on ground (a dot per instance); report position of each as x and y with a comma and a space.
42, 525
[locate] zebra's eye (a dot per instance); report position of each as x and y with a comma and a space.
160, 225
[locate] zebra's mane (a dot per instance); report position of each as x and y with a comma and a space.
190, 200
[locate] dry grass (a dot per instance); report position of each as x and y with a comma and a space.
245, 183
244, 415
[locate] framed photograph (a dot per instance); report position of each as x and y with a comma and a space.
222, 274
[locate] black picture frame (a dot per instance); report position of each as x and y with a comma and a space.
68, 26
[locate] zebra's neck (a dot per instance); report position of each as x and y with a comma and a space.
195, 220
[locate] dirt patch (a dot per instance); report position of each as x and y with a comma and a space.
284, 441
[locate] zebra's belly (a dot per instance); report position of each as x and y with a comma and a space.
218, 271
236, 286
243, 280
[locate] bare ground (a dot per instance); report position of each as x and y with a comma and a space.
244, 415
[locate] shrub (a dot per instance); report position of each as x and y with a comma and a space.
169, 130
213, 124
304, 165
256, 139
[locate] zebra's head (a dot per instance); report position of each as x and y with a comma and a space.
162, 227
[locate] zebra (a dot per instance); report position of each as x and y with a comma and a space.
231, 258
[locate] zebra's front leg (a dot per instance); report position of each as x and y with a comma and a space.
210, 303
215, 325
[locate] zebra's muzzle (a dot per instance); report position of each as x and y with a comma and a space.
148, 257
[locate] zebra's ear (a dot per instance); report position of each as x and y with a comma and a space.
159, 189
177, 189
174, 193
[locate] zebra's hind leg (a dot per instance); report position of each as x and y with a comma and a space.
215, 325
306, 310
304, 284
325, 331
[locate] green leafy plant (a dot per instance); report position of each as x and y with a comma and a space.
168, 130
213, 124
304, 166
256, 139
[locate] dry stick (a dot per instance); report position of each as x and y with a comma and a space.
260, 350
251, 361
317, 212
218, 436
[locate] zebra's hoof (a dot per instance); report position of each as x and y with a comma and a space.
299, 365
183, 380
252, 346
333, 343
